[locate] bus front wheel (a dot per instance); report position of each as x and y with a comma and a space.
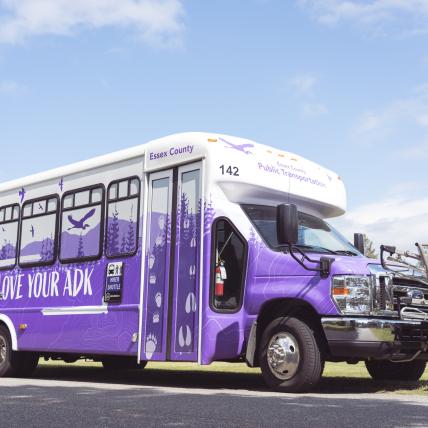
388, 370
289, 356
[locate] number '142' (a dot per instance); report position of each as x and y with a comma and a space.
229, 170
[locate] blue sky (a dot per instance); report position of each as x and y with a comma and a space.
344, 83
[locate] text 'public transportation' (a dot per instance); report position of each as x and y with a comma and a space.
198, 247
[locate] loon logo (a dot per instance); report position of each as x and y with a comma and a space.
240, 147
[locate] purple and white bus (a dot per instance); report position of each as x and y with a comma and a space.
195, 247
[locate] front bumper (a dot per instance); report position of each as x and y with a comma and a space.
362, 338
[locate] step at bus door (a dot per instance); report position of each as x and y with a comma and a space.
172, 273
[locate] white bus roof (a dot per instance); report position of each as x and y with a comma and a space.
259, 174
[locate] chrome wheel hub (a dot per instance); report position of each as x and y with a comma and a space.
3, 350
283, 355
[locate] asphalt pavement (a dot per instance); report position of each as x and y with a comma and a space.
76, 397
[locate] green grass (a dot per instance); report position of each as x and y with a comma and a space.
337, 377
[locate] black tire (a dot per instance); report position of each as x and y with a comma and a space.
14, 363
305, 372
387, 370
7, 368
28, 362
122, 363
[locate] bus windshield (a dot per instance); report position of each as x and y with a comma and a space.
314, 233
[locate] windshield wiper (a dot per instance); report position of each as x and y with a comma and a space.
314, 247
346, 252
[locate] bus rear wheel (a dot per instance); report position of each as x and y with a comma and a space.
14, 363
387, 370
122, 363
6, 367
289, 356
27, 363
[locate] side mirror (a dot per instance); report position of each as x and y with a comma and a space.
359, 242
287, 224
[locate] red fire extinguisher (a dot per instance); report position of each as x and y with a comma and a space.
219, 282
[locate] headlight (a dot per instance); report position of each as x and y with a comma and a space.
351, 294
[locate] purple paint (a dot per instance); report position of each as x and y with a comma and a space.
270, 275
172, 151
41, 290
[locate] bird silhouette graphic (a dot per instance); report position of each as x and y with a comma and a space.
240, 147
32, 231
80, 224
22, 194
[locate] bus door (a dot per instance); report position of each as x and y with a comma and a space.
172, 273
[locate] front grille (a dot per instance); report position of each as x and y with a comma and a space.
406, 282
413, 333
402, 298
382, 293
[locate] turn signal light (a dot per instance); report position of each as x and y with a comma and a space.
340, 291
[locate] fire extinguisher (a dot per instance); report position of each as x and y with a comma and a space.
219, 282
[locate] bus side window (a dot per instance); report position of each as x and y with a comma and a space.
39, 231
82, 224
122, 217
9, 222
229, 259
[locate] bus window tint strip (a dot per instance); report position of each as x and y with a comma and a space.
82, 224
122, 217
39, 232
9, 225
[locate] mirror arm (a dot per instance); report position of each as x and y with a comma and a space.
324, 262
386, 249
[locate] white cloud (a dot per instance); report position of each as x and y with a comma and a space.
397, 131
401, 124
314, 109
157, 22
415, 152
423, 119
304, 83
395, 220
409, 15
11, 87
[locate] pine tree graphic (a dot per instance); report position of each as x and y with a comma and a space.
46, 253
131, 236
113, 234
7, 251
3, 254
123, 248
209, 213
80, 248
43, 251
